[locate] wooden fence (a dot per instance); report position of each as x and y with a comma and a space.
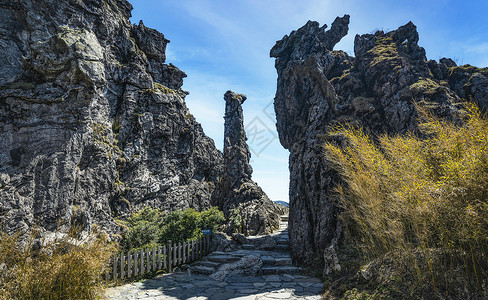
136, 263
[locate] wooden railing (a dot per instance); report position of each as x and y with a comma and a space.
137, 263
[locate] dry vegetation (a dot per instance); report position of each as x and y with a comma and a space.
61, 269
420, 205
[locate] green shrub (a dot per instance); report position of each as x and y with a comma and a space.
212, 219
185, 225
150, 226
406, 193
140, 235
59, 270
143, 229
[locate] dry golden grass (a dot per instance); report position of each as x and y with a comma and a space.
404, 193
59, 270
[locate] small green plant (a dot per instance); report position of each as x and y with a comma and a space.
236, 220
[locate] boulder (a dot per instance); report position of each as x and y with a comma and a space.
248, 265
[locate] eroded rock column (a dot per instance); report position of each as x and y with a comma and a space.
236, 151
242, 200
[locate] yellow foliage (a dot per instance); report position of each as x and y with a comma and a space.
60, 269
402, 193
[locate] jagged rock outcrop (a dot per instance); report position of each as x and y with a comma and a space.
378, 89
236, 151
250, 209
93, 122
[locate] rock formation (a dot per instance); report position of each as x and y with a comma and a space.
93, 123
378, 89
252, 212
236, 151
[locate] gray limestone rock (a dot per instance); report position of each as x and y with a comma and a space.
93, 123
248, 265
221, 242
241, 199
378, 89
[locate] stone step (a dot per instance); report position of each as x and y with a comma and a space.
248, 247
268, 260
278, 270
285, 261
282, 241
222, 258
202, 270
282, 247
208, 263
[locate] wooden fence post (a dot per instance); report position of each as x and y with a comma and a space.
142, 270
201, 248
153, 259
197, 249
179, 253
136, 264
114, 275
165, 258
122, 262
129, 264
187, 251
184, 252
175, 254
148, 260
159, 257
170, 263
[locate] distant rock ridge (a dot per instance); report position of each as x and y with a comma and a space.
378, 89
93, 121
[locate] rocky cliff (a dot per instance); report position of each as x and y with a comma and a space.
380, 89
93, 123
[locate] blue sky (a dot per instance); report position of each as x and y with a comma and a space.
223, 45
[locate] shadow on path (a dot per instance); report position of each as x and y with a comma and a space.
185, 286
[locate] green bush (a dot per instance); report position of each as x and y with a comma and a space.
143, 229
150, 226
185, 225
405, 193
212, 219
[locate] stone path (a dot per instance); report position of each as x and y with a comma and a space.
277, 278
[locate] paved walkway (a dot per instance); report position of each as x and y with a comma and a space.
276, 279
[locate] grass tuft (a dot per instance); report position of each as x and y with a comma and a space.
419, 196
59, 269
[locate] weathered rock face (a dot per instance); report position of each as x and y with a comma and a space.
378, 89
93, 123
236, 151
241, 198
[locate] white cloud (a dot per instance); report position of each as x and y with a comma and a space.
275, 184
479, 49
171, 56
